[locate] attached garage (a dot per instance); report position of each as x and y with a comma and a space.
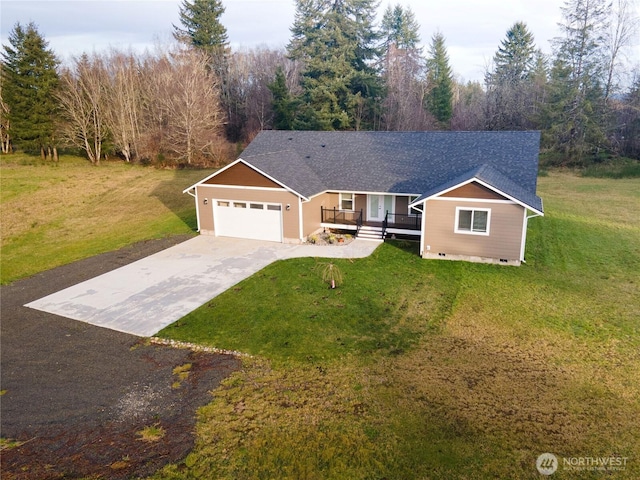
248, 219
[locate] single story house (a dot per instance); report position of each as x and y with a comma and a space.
463, 195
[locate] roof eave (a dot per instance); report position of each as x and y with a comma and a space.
217, 172
253, 167
423, 199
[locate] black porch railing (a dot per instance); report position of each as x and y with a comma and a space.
385, 224
342, 217
404, 221
355, 218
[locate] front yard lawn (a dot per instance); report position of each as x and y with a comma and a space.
287, 313
435, 369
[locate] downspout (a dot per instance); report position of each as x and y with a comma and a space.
422, 227
300, 220
525, 224
195, 195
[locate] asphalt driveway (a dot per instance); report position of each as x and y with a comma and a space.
144, 297
74, 396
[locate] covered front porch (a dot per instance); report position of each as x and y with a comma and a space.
391, 223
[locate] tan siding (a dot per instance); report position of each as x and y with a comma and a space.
290, 218
361, 204
205, 212
474, 190
402, 205
505, 230
332, 200
311, 211
241, 175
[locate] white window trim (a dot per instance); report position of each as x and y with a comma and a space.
231, 202
468, 232
353, 201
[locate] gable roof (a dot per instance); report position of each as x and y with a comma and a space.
489, 176
418, 163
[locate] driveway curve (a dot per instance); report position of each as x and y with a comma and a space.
145, 296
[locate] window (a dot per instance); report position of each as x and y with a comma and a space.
274, 208
346, 201
239, 205
472, 220
223, 204
256, 206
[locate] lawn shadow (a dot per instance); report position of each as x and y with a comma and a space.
405, 244
169, 192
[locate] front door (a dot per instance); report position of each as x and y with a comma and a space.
378, 206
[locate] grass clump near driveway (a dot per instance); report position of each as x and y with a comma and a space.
55, 213
435, 369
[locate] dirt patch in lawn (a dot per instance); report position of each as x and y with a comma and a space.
76, 398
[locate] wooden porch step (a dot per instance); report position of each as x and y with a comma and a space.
368, 232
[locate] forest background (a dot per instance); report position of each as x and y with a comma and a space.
199, 102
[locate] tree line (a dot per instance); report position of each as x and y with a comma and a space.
195, 101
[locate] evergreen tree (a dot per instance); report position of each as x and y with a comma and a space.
284, 105
629, 122
439, 100
336, 41
510, 96
402, 71
554, 133
203, 30
515, 58
399, 28
30, 80
202, 27
579, 114
538, 87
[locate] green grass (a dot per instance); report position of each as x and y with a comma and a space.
411, 368
435, 369
53, 214
378, 308
615, 168
151, 433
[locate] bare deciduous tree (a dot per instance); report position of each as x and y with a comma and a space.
622, 30
5, 137
189, 97
403, 105
246, 94
263, 64
83, 100
124, 105
468, 107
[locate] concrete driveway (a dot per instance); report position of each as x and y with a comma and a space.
144, 297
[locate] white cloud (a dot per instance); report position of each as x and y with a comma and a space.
473, 29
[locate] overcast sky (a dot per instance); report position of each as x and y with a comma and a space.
473, 29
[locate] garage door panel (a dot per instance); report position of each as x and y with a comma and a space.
252, 220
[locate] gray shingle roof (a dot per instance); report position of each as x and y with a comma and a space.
418, 163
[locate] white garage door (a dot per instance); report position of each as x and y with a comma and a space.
255, 220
